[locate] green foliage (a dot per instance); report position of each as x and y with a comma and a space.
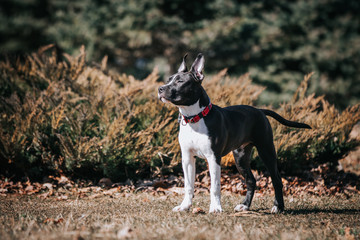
276, 41
66, 117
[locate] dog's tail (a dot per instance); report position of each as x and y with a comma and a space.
283, 121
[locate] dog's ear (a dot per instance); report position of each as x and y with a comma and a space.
197, 67
183, 67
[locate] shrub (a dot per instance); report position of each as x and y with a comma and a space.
327, 141
67, 117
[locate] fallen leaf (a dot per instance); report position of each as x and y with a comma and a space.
177, 190
198, 211
111, 191
29, 188
161, 190
60, 220
48, 220
51, 220
63, 180
45, 195
96, 195
62, 197
48, 186
164, 198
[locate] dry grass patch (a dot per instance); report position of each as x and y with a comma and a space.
148, 216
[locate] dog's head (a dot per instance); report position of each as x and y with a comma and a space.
184, 87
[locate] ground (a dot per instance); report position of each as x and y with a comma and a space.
148, 215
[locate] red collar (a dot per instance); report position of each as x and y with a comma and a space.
196, 118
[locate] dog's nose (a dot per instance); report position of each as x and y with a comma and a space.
161, 89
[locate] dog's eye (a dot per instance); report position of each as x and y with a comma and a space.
178, 79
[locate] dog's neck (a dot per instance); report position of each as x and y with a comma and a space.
191, 110
197, 107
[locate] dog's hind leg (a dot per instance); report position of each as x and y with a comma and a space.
242, 162
267, 153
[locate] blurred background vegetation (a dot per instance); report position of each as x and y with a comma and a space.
276, 41
73, 102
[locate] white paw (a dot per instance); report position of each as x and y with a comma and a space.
215, 209
181, 208
241, 208
275, 209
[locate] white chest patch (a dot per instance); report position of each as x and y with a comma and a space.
194, 137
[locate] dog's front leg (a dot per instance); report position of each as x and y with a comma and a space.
188, 164
215, 189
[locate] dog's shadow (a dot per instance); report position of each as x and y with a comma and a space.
319, 210
307, 211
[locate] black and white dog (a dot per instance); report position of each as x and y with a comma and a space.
210, 132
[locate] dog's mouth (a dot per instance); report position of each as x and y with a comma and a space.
163, 99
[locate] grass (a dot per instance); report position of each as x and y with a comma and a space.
70, 118
149, 216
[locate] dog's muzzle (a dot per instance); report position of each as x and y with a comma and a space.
160, 94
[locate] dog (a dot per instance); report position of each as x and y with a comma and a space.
211, 132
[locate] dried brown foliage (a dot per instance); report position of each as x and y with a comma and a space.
69, 117
327, 141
